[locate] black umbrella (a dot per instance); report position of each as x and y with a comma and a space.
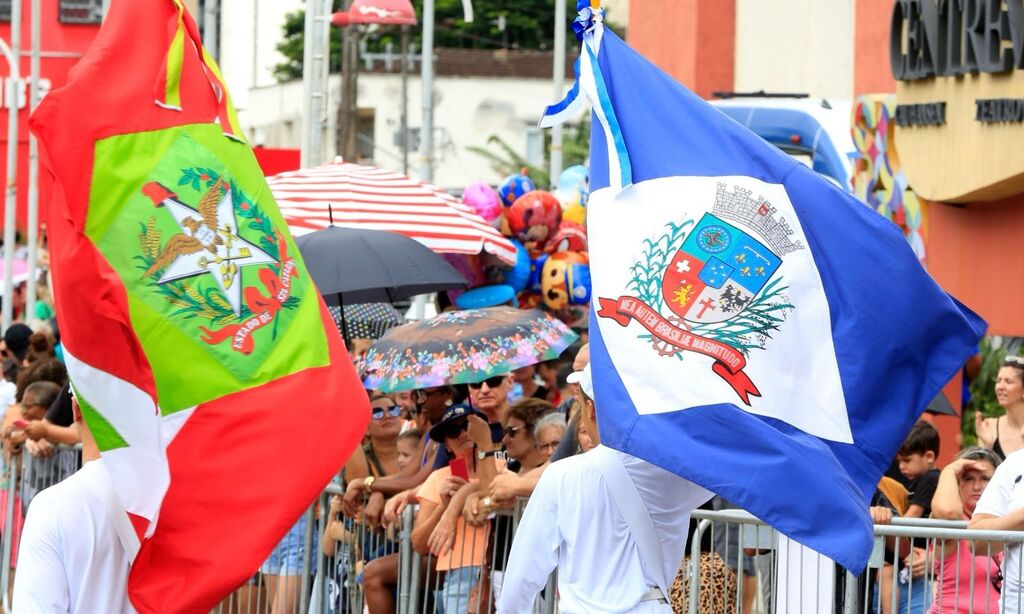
365, 320
354, 265
940, 406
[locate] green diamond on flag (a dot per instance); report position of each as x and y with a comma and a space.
205, 362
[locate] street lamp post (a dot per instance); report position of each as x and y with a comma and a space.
427, 78
33, 169
427, 82
314, 80
559, 84
11, 198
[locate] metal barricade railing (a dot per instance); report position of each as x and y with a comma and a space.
470, 577
24, 476
330, 565
957, 570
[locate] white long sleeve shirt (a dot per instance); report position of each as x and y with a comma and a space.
71, 558
573, 523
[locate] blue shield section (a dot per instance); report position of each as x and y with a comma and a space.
730, 253
716, 272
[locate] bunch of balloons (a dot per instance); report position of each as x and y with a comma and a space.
549, 231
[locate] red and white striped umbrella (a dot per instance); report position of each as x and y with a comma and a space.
370, 197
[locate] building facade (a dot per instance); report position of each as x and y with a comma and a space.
958, 121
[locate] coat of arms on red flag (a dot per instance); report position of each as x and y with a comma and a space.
711, 287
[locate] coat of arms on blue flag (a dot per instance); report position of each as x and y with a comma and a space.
755, 329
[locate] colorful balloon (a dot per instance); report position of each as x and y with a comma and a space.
518, 275
484, 201
486, 296
513, 187
533, 218
565, 280
536, 267
576, 214
568, 198
576, 178
570, 237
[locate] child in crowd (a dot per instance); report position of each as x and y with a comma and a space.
916, 458
408, 444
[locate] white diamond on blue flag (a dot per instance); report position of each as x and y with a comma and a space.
755, 329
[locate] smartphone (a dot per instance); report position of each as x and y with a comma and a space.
21, 424
458, 467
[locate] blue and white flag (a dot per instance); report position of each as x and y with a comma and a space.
754, 328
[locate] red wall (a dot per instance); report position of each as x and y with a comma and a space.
65, 39
871, 72
974, 251
977, 253
692, 40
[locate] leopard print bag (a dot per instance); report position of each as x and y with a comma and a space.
718, 586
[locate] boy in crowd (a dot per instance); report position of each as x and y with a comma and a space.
916, 458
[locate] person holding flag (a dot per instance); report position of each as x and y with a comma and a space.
754, 328
77, 544
614, 525
190, 325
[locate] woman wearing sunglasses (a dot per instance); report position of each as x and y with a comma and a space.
462, 558
378, 457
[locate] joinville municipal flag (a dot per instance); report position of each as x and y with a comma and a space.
754, 328
205, 362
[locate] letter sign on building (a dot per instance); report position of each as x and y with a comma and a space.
959, 66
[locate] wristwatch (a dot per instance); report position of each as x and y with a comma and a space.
480, 454
368, 483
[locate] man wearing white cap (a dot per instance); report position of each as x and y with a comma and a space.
615, 527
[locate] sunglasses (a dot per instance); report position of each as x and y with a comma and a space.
510, 431
492, 382
1016, 361
454, 429
378, 412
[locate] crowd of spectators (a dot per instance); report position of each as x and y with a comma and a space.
466, 457
463, 456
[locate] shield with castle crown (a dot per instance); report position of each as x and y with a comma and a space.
717, 271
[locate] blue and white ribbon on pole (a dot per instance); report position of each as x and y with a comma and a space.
589, 28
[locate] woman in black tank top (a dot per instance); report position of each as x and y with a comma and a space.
1004, 435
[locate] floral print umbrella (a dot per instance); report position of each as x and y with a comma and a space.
462, 347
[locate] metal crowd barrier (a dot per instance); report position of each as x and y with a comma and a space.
736, 564
469, 579
23, 477
958, 570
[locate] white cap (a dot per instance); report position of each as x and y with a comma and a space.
583, 379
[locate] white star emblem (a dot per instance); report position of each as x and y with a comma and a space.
232, 253
683, 266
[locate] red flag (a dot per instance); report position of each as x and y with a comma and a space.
207, 366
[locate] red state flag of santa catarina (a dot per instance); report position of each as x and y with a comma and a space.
206, 364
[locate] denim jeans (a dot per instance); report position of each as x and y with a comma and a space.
453, 598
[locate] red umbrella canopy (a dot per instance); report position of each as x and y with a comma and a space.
378, 199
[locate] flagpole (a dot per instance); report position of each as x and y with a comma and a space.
33, 170
558, 77
11, 200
